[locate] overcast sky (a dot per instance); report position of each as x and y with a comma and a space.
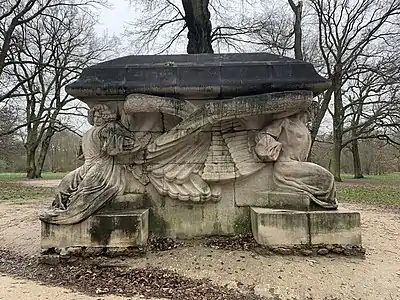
113, 20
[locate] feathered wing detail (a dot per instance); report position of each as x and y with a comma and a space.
231, 155
176, 168
241, 144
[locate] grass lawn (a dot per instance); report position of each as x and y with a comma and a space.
384, 177
11, 188
373, 189
22, 176
12, 191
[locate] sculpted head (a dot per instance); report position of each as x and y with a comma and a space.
101, 114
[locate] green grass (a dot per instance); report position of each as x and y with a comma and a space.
373, 194
22, 176
390, 176
10, 191
373, 189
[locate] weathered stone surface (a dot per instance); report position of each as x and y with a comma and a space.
314, 250
323, 251
276, 200
335, 227
328, 230
306, 252
49, 259
197, 76
127, 229
179, 219
286, 142
125, 203
196, 139
279, 227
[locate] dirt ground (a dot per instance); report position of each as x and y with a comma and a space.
11, 288
375, 277
40, 182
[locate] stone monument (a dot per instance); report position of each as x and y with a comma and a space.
187, 146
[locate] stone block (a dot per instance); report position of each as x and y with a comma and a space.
335, 227
277, 200
104, 229
124, 203
279, 227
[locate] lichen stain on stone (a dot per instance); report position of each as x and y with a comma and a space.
47, 229
217, 228
104, 226
147, 201
100, 231
242, 224
158, 225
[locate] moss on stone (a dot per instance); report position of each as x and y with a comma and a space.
158, 225
242, 224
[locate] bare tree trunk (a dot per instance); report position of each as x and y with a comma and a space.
356, 160
337, 150
43, 152
197, 17
297, 9
337, 121
30, 147
30, 162
319, 117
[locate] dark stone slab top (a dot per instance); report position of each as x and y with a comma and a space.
197, 76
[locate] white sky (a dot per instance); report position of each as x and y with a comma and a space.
113, 20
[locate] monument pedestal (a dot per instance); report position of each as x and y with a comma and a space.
277, 227
102, 230
196, 141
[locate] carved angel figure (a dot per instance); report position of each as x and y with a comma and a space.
287, 142
84, 190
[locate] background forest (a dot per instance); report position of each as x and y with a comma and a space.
44, 45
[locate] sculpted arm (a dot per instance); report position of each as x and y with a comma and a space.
118, 140
268, 147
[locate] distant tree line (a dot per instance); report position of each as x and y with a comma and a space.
353, 43
44, 45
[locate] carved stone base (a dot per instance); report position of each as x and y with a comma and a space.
341, 227
278, 200
104, 229
186, 220
274, 227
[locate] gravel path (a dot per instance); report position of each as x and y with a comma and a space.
11, 288
376, 277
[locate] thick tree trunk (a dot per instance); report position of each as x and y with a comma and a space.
337, 121
356, 160
43, 152
197, 17
31, 146
337, 150
298, 11
30, 163
319, 117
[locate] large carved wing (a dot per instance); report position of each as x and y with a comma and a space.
231, 154
210, 145
175, 168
